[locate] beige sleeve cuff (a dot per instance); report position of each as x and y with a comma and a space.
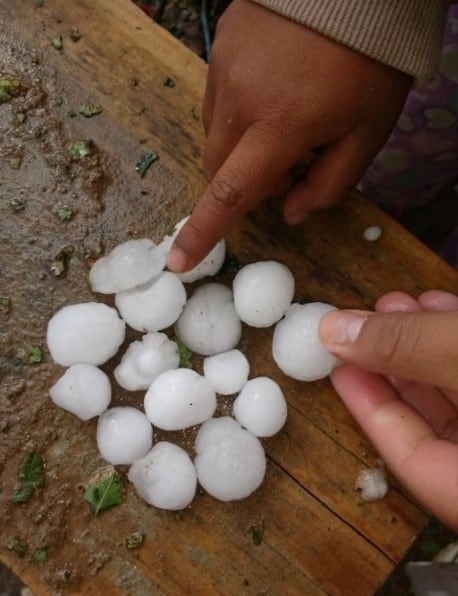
405, 34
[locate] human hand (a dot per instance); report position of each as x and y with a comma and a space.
410, 414
276, 90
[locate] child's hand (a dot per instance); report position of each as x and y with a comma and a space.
275, 90
411, 413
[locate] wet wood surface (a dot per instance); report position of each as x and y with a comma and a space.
317, 536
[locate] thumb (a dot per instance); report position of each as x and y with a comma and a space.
420, 346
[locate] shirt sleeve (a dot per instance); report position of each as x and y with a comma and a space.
404, 34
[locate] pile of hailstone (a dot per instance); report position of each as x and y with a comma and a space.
230, 461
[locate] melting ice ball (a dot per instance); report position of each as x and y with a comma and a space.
144, 360
261, 407
84, 390
178, 399
124, 434
263, 292
296, 346
90, 333
130, 264
153, 306
230, 461
227, 372
165, 477
209, 324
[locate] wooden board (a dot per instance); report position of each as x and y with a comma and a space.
318, 538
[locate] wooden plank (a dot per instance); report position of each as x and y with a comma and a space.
318, 539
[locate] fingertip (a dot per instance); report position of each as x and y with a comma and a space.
397, 302
438, 300
177, 260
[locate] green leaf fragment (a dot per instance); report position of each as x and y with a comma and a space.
144, 162
90, 109
184, 353
56, 42
135, 540
64, 213
16, 205
257, 534
40, 555
17, 546
81, 148
35, 355
104, 492
23, 494
169, 82
39, 3
10, 87
5, 305
31, 476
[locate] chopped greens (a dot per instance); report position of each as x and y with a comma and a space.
184, 352
9, 87
257, 533
144, 162
5, 305
81, 148
35, 355
64, 213
135, 540
169, 82
90, 109
39, 3
16, 546
16, 205
40, 555
56, 42
104, 491
31, 476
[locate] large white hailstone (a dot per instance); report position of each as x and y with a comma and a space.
144, 360
153, 306
84, 390
296, 346
227, 372
130, 264
90, 332
261, 407
263, 292
178, 399
230, 461
165, 477
210, 265
209, 324
124, 434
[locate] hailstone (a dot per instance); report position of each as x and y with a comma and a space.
165, 477
230, 461
227, 372
144, 360
296, 346
261, 407
90, 333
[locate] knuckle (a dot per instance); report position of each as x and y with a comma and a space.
227, 194
400, 340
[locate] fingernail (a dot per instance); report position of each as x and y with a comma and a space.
177, 260
340, 327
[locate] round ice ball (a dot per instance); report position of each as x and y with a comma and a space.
230, 461
84, 390
227, 372
209, 324
153, 306
263, 292
165, 477
146, 359
261, 407
89, 333
296, 346
178, 399
130, 264
124, 434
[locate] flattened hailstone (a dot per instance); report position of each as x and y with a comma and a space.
144, 360
84, 390
130, 264
230, 461
209, 324
165, 477
90, 332
263, 292
153, 306
178, 399
261, 407
210, 265
296, 346
124, 434
227, 372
